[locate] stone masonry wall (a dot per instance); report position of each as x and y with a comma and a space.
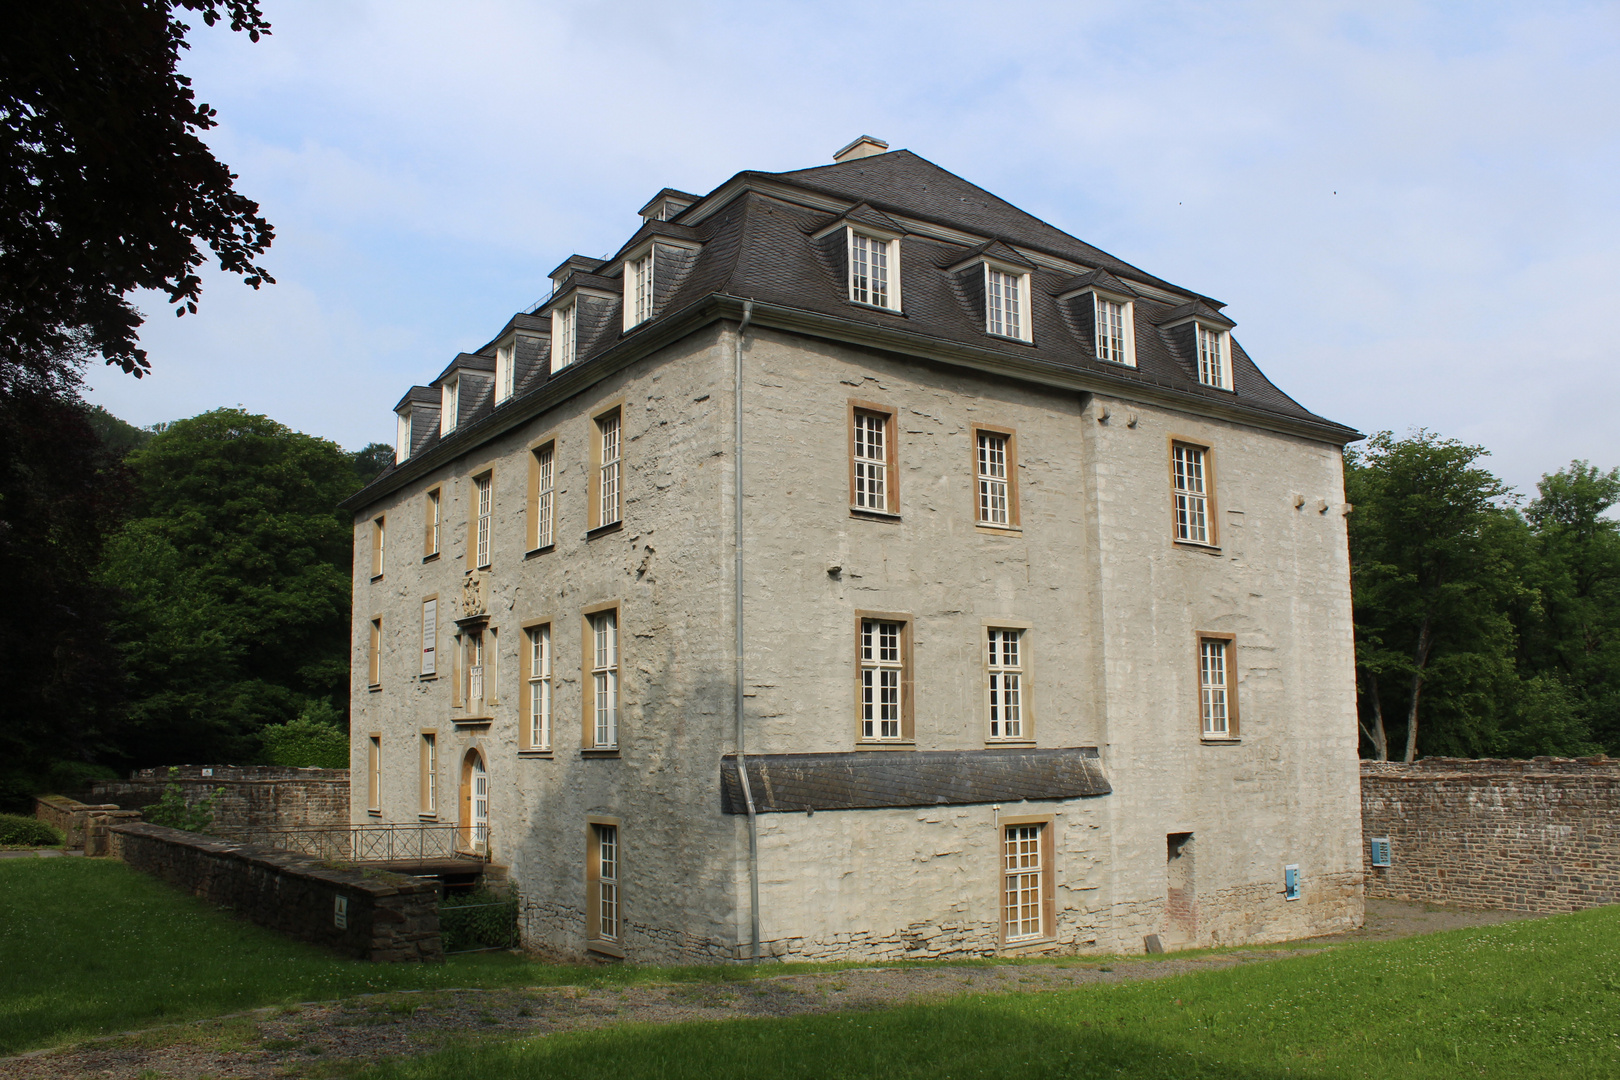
1541, 835
255, 795
388, 916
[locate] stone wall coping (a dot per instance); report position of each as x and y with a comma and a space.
372, 882
237, 772
1428, 769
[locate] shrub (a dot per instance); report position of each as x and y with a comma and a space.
173, 810
19, 831
312, 740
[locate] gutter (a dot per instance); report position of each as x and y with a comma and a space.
742, 760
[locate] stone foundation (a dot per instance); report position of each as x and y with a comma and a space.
1541, 835
384, 916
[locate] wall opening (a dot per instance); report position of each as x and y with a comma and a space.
1181, 906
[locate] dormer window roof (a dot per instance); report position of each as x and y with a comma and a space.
1204, 334
570, 266
1002, 277
1108, 306
416, 413
458, 387
665, 205
871, 255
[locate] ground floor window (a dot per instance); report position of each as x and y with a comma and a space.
1026, 892
602, 883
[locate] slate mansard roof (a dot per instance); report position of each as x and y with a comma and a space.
754, 239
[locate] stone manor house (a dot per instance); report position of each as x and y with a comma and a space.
856, 566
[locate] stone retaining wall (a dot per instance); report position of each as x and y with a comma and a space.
1541, 835
384, 916
254, 795
84, 824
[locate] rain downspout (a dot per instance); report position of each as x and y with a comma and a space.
742, 761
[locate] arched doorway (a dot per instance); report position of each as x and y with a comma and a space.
474, 803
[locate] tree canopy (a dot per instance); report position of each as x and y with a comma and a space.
105, 184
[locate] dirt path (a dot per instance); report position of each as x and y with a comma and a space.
293, 1041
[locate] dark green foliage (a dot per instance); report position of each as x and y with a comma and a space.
106, 186
371, 461
173, 810
116, 435
1481, 630
19, 831
313, 739
479, 919
235, 576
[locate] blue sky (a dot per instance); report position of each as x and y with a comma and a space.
1412, 210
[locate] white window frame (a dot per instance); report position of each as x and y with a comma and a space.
861, 246
1190, 479
640, 280
505, 369
870, 460
402, 435
475, 655
1125, 353
994, 477
430, 637
1213, 347
564, 334
1025, 850
607, 882
1006, 684
605, 679
545, 495
1216, 688
483, 517
610, 430
449, 404
883, 680
540, 661
1003, 316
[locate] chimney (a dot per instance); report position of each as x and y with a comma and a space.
865, 146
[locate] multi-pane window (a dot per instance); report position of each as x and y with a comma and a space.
545, 462
374, 654
374, 774
539, 718
564, 335
1192, 499
871, 461
430, 773
430, 539
605, 677
485, 496
1023, 873
869, 270
882, 671
609, 475
1214, 687
402, 436
430, 636
1006, 684
640, 299
1004, 313
1111, 327
473, 649
478, 833
449, 406
994, 508
505, 370
606, 881
1212, 370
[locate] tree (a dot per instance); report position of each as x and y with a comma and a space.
236, 575
370, 462
1428, 574
105, 185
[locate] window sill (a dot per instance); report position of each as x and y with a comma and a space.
599, 752
997, 530
472, 721
992, 335
431, 557
1023, 944
374, 813
877, 307
428, 677
372, 688
376, 578
536, 753
886, 744
1193, 545
606, 948
603, 530
1009, 742
1220, 740
545, 549
428, 817
873, 515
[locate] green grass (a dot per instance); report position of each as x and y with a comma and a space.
90, 947
1518, 1000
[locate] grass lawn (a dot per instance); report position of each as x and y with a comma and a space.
1517, 1000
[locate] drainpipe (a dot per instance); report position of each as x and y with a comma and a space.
742, 761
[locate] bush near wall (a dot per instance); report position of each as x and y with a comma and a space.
17, 831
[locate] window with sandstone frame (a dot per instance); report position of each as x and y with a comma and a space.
604, 873
535, 689
1217, 686
379, 536
605, 509
1028, 910
430, 524
874, 482
1192, 483
1006, 679
483, 511
883, 679
599, 679
995, 470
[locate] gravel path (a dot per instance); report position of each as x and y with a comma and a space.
292, 1041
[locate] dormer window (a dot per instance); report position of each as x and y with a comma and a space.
874, 270
1006, 300
450, 407
1116, 330
1214, 369
564, 330
505, 370
638, 289
402, 439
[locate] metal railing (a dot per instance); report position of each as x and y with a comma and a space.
374, 843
